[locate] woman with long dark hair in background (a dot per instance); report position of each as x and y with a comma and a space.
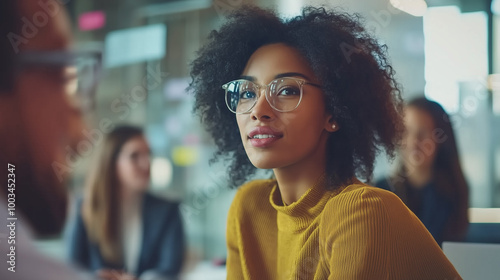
429, 178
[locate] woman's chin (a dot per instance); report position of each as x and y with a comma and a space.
264, 163
141, 188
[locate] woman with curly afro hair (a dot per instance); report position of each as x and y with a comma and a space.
312, 99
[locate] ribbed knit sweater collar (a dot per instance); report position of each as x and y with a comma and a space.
300, 214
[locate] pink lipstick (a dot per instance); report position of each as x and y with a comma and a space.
263, 136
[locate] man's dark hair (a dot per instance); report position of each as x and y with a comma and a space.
357, 80
9, 17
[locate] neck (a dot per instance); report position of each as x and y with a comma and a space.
295, 180
293, 186
419, 177
130, 197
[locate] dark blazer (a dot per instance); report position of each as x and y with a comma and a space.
433, 209
162, 249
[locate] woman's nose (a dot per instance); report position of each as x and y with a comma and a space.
144, 162
262, 110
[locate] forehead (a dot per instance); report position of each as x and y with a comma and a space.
44, 29
271, 60
134, 143
418, 118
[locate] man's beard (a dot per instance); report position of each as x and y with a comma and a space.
40, 198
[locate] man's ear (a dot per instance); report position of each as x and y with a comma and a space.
331, 125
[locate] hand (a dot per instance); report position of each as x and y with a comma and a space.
113, 274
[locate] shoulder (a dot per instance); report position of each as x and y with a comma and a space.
150, 199
364, 200
251, 196
363, 210
364, 206
384, 183
360, 192
255, 189
388, 236
76, 210
160, 214
155, 204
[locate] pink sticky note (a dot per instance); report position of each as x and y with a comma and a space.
92, 20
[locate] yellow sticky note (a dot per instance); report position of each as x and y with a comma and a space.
185, 156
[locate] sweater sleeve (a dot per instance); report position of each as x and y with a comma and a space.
370, 234
234, 259
354, 233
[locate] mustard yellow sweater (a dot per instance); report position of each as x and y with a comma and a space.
355, 232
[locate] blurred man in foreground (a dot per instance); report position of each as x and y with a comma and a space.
40, 118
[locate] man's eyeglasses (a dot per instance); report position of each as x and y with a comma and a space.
282, 94
79, 71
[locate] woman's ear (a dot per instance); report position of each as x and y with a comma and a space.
332, 125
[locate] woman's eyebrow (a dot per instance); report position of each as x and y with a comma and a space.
291, 74
282, 75
250, 78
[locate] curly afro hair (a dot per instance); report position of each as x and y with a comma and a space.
358, 84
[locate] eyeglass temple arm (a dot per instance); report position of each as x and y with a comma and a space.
313, 84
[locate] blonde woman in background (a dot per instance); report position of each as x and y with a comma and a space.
121, 231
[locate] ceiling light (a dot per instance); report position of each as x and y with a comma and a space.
413, 7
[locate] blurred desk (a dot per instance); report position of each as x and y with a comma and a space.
484, 225
474, 261
206, 271
54, 248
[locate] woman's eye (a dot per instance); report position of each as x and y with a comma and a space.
134, 156
247, 95
289, 91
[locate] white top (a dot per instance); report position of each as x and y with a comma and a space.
132, 235
28, 263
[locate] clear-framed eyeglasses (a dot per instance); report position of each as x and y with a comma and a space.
79, 71
282, 94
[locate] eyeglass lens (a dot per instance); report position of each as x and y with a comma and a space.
78, 73
283, 94
81, 76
